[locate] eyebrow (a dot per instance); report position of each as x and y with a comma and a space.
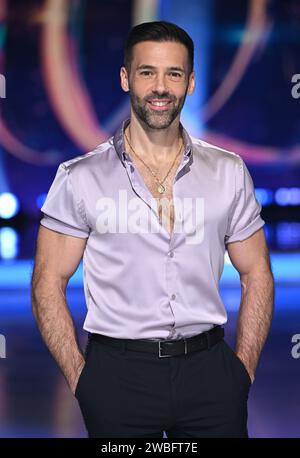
152, 67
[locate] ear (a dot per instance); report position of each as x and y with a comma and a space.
124, 79
192, 83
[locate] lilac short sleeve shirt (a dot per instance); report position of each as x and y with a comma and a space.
140, 282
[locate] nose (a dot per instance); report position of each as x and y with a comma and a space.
160, 85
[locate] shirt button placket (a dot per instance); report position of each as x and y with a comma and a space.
171, 255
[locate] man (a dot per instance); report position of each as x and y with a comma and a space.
152, 211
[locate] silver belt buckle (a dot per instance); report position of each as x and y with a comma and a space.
166, 356
159, 350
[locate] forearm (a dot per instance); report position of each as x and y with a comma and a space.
55, 323
255, 316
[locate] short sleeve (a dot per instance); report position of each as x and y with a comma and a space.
244, 218
63, 211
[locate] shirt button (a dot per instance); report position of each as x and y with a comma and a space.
171, 254
173, 297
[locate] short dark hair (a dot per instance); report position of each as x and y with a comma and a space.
158, 31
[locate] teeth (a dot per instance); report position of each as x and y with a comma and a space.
159, 104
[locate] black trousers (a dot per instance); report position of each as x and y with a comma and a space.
125, 393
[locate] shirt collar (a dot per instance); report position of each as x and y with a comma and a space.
118, 141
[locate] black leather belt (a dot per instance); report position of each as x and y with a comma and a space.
165, 348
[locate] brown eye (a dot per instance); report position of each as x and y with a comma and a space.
146, 73
175, 76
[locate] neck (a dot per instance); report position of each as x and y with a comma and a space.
155, 145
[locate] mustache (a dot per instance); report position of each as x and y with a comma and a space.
160, 97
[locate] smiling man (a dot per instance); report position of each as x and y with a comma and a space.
152, 211
158, 108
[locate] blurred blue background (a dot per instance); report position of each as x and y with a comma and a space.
60, 96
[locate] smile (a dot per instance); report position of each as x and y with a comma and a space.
159, 105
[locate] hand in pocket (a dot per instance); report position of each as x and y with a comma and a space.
75, 384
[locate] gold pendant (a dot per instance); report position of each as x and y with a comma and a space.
161, 189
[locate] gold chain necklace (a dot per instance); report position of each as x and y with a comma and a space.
160, 188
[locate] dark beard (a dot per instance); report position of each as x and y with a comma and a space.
156, 120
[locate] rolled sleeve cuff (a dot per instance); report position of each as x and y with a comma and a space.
244, 233
58, 226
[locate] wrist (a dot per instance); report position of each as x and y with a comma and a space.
75, 371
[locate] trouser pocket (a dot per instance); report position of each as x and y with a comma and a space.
239, 369
84, 369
